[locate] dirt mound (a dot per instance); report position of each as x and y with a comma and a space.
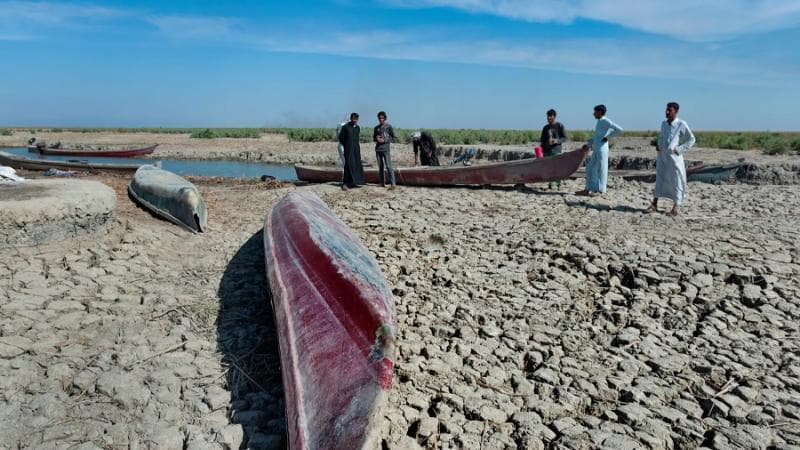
37, 211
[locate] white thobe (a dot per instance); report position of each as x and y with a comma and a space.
597, 166
340, 147
674, 141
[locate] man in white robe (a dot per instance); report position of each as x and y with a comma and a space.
597, 166
674, 141
340, 147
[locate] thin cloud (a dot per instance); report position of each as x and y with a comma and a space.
579, 55
16, 37
52, 14
26, 21
683, 19
573, 56
287, 39
198, 27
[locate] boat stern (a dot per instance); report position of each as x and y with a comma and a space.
195, 208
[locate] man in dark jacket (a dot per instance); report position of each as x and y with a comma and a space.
425, 149
553, 135
353, 174
383, 136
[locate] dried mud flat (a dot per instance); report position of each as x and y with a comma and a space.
527, 319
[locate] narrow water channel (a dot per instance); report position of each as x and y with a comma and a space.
195, 167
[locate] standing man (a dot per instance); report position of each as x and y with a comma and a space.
353, 172
553, 135
674, 141
383, 135
425, 152
597, 167
339, 144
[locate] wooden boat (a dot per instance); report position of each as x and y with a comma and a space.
170, 196
510, 172
336, 326
130, 153
703, 173
18, 162
713, 173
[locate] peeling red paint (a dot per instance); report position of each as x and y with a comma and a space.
329, 297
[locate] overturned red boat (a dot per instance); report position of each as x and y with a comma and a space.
336, 326
510, 172
120, 153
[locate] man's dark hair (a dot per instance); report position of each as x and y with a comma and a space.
601, 108
674, 105
382, 114
551, 112
353, 116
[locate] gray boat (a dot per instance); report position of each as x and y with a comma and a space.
19, 162
169, 196
704, 173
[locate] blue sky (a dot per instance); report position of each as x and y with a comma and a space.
732, 64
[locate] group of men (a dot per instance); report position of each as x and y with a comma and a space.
348, 135
674, 141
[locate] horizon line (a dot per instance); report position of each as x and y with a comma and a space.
277, 127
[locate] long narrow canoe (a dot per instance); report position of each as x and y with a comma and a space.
336, 326
18, 162
713, 173
510, 172
130, 153
170, 196
704, 173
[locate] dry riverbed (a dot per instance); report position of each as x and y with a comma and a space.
528, 318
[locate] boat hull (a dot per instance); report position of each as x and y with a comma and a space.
511, 172
132, 153
11, 160
170, 196
336, 326
712, 174
701, 173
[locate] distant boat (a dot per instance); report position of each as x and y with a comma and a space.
704, 173
170, 196
510, 172
713, 173
19, 162
129, 153
336, 326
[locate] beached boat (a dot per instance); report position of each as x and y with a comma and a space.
19, 162
703, 173
336, 326
510, 172
713, 173
170, 196
119, 153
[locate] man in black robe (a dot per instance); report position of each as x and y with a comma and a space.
425, 150
353, 170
